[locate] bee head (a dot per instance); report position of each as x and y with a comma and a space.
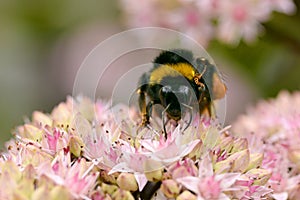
173, 97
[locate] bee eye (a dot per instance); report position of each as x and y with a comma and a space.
184, 90
166, 95
166, 89
202, 61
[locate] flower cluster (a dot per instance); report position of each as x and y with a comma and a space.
86, 150
227, 20
273, 127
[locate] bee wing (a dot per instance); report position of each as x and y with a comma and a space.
212, 78
218, 87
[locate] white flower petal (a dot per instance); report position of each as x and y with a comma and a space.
121, 167
227, 179
141, 180
280, 196
190, 182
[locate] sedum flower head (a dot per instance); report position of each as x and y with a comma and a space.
272, 128
227, 20
85, 150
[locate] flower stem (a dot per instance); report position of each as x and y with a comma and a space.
148, 191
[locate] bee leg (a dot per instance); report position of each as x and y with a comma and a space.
190, 117
164, 121
143, 107
147, 114
164, 125
205, 106
207, 110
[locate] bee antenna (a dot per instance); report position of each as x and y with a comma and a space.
198, 76
191, 115
204, 70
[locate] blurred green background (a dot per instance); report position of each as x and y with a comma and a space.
42, 44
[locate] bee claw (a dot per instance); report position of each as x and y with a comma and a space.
164, 122
143, 125
142, 133
191, 116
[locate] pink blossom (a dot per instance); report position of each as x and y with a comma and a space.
284, 6
75, 176
80, 150
227, 20
240, 19
272, 127
62, 114
171, 150
209, 185
194, 23
141, 12
183, 168
209, 7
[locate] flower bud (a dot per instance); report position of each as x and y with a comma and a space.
39, 193
109, 189
122, 195
59, 192
183, 168
186, 195
41, 118
239, 144
170, 188
179, 172
255, 160
196, 152
260, 176
237, 162
127, 181
32, 132
99, 195
76, 145
154, 176
108, 178
61, 114
226, 143
294, 156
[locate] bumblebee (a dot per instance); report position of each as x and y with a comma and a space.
177, 81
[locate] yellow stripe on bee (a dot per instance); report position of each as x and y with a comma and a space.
173, 70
